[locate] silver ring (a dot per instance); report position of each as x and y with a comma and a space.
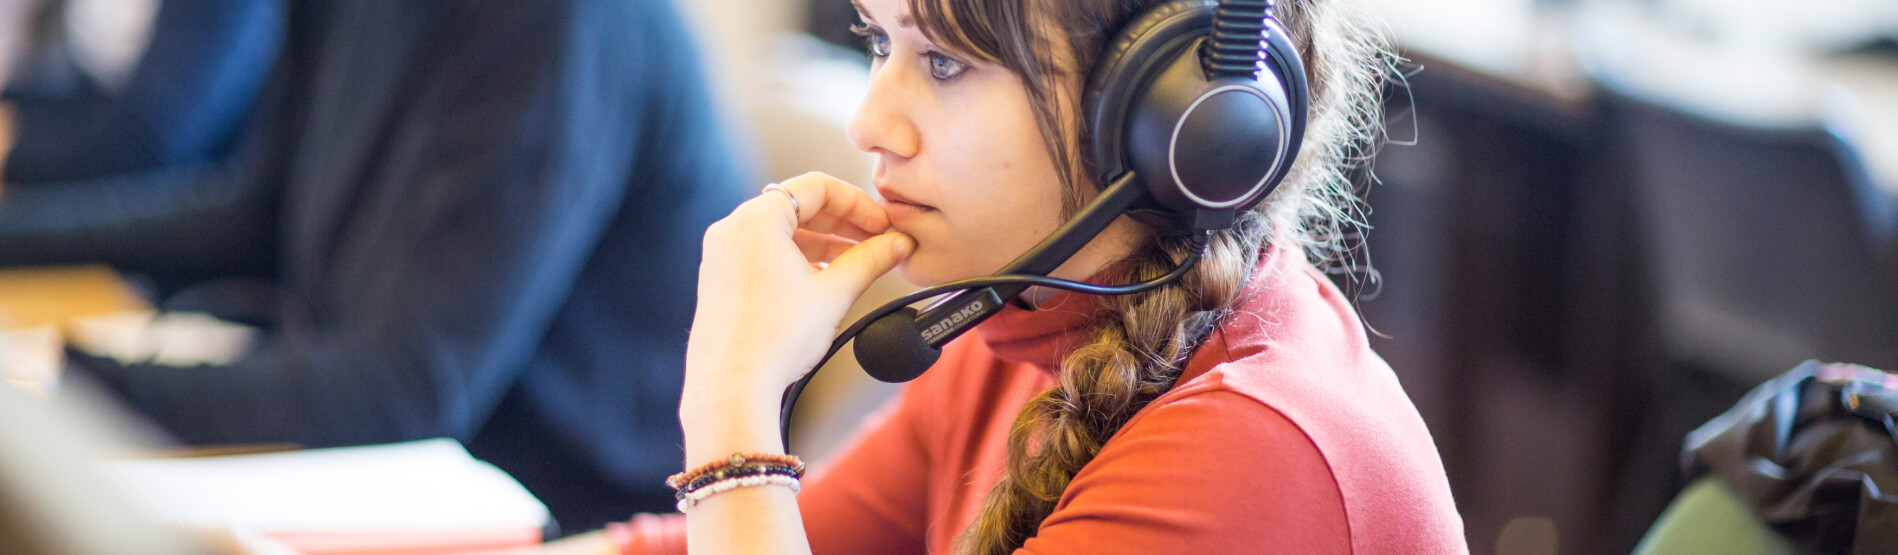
769, 187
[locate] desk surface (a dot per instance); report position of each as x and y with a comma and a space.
37, 308
34, 297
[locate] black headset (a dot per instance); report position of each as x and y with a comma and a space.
1195, 111
1204, 102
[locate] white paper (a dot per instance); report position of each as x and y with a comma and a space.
423, 485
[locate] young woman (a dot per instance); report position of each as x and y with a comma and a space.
1237, 411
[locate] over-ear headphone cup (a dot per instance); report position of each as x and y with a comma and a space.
1205, 145
1142, 25
1121, 70
1197, 142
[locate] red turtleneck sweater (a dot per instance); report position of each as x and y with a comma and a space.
1285, 434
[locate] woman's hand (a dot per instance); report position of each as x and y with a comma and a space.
777, 276
773, 286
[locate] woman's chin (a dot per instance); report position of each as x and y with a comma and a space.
912, 273
923, 270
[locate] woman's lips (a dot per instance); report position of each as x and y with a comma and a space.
901, 208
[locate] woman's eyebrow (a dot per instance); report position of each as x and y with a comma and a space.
902, 20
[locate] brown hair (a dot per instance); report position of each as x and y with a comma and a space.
1142, 341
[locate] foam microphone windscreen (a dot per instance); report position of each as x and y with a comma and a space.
892, 350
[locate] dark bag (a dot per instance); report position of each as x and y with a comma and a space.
1814, 453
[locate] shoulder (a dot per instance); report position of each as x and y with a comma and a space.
1207, 471
1312, 367
1294, 350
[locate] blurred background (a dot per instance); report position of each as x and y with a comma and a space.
1597, 223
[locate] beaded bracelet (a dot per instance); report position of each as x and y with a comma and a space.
750, 469
693, 498
680, 480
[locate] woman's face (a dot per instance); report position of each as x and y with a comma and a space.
960, 163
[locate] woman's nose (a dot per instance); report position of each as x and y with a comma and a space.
883, 124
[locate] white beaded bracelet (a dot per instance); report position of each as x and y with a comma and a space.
695, 496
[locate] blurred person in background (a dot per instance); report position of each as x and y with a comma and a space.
124, 133
473, 219
133, 93
14, 35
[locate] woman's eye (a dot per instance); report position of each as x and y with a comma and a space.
944, 68
874, 40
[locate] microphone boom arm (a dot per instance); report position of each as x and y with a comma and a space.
952, 316
940, 322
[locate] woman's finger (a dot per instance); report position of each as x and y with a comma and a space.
821, 247
819, 203
832, 225
854, 269
822, 195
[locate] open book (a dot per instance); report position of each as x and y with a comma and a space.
407, 498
